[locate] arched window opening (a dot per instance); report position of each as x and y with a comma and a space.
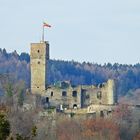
75, 106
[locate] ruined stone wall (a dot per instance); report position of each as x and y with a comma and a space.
39, 56
58, 96
102, 94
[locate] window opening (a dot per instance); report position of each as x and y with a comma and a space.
64, 93
99, 95
47, 99
75, 106
74, 93
52, 93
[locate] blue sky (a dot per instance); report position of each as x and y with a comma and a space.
98, 31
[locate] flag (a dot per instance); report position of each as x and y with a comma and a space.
46, 25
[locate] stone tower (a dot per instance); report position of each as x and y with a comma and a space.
111, 92
39, 57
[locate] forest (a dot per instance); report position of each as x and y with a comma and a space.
127, 77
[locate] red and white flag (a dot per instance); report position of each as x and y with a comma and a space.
46, 25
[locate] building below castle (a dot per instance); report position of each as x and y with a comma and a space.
63, 95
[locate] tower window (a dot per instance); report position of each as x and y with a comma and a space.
52, 93
64, 93
38, 62
47, 99
74, 93
99, 95
38, 51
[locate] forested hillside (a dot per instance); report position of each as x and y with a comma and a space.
127, 76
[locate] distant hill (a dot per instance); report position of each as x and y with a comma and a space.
127, 76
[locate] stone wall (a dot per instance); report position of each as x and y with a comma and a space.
69, 97
80, 96
101, 94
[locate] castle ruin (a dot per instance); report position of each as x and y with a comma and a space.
63, 95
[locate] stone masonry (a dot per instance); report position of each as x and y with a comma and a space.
39, 56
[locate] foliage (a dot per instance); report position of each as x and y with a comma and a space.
69, 130
126, 117
19, 137
34, 131
33, 134
9, 89
101, 129
72, 114
122, 112
20, 98
4, 127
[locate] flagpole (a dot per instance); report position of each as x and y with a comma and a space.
44, 25
43, 34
